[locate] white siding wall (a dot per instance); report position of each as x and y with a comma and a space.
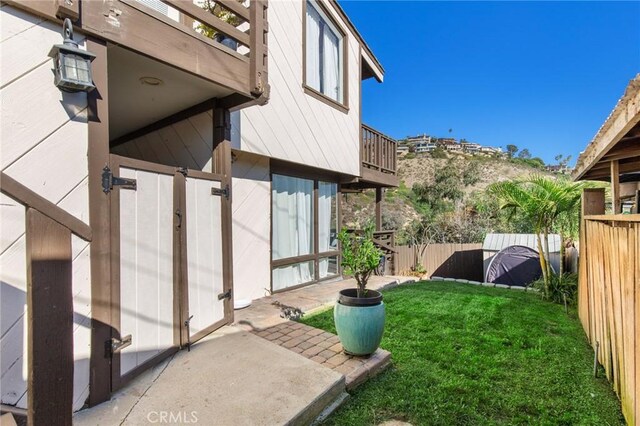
251, 227
188, 143
294, 126
43, 145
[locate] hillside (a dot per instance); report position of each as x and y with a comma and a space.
399, 206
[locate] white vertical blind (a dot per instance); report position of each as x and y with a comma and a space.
313, 48
292, 222
331, 68
323, 47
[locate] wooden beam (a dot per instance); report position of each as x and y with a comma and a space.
28, 198
378, 209
68, 9
603, 170
616, 206
99, 219
222, 165
50, 321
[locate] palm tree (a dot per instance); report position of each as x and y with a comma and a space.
543, 201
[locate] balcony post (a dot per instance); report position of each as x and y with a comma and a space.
378, 209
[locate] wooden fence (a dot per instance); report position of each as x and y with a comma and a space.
609, 301
444, 260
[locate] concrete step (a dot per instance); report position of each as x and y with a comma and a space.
230, 378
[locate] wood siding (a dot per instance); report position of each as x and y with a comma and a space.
187, 143
295, 126
146, 267
251, 226
204, 254
44, 143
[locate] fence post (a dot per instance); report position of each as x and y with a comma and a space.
50, 321
592, 203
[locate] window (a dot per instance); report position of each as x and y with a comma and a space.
324, 54
304, 223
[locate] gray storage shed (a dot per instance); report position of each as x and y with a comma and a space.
493, 243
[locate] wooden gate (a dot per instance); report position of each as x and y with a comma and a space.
168, 286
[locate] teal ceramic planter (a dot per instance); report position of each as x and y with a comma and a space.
359, 328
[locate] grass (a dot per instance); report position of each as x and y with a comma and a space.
469, 355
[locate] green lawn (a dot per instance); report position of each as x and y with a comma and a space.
470, 355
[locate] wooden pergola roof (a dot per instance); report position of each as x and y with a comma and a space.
615, 149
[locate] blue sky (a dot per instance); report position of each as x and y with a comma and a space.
540, 75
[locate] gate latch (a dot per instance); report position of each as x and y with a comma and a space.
225, 295
109, 181
221, 191
119, 344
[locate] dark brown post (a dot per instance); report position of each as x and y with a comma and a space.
50, 321
258, 60
616, 206
99, 220
378, 209
222, 164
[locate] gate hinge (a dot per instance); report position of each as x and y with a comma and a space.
116, 345
225, 295
109, 181
221, 191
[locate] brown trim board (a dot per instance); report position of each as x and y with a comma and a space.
99, 220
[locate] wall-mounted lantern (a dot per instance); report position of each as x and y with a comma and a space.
72, 66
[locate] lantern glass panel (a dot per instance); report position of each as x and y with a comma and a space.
75, 68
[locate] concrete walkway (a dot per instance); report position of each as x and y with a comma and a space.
266, 311
247, 373
229, 378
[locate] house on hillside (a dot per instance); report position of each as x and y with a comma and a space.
609, 269
470, 147
206, 166
423, 147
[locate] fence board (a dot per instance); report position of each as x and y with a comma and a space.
610, 277
462, 261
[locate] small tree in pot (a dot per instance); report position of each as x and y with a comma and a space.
360, 256
359, 314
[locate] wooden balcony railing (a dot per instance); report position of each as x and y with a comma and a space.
224, 41
379, 157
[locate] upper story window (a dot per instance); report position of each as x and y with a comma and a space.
324, 54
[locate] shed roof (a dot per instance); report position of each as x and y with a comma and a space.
497, 242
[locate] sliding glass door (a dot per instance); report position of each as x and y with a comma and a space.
304, 225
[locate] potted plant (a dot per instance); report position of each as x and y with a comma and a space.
359, 314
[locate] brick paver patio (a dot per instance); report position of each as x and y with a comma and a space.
325, 349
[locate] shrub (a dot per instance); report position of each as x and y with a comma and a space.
561, 291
